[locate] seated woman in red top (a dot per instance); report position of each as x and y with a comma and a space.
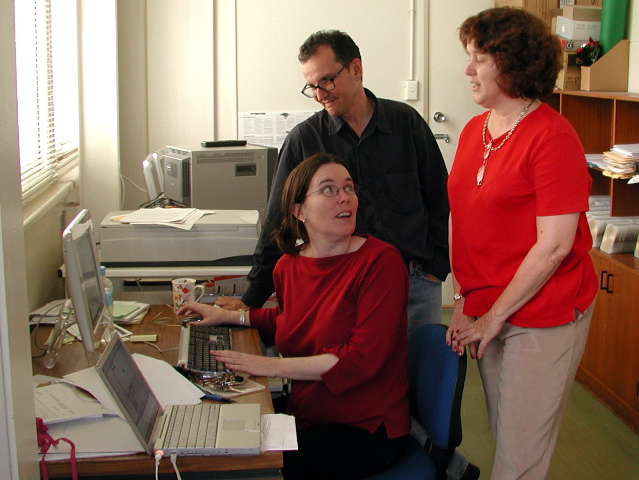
339, 326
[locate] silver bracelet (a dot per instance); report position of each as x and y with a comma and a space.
242, 318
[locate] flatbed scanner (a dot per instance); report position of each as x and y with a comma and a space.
221, 238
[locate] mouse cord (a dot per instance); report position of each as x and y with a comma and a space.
174, 462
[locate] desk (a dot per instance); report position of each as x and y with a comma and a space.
72, 358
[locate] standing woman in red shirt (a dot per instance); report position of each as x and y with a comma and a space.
524, 282
339, 326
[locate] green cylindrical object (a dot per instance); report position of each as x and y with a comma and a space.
614, 16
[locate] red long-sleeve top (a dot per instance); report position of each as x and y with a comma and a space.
353, 306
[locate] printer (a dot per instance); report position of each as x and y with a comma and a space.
220, 238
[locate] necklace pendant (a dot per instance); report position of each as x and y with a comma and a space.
480, 174
487, 150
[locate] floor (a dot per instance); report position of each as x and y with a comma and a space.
593, 443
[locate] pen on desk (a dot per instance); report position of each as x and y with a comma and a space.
216, 397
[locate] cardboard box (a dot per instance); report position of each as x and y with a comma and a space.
594, 3
586, 14
569, 77
541, 8
610, 72
577, 29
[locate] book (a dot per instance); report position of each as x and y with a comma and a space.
129, 312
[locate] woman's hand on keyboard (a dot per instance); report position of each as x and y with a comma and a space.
256, 365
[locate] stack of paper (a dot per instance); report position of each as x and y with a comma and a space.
183, 218
622, 159
630, 149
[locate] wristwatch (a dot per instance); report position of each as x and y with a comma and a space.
457, 296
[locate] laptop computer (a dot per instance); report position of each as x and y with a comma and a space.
234, 429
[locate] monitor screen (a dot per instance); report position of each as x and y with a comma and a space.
84, 283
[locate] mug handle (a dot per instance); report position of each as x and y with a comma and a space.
198, 297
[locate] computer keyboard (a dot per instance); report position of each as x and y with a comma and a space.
197, 341
192, 427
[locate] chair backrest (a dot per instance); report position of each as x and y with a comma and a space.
437, 376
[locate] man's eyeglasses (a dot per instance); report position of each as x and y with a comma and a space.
325, 85
333, 190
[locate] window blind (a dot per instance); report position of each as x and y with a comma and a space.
47, 79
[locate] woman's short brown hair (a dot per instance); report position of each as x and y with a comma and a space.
294, 191
527, 54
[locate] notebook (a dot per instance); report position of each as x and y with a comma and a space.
233, 430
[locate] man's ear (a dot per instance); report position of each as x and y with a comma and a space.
357, 68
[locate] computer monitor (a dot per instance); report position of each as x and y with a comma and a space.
84, 282
153, 175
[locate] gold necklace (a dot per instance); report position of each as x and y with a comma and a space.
488, 146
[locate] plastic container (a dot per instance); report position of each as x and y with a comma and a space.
108, 290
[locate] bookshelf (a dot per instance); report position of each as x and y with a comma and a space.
610, 366
601, 120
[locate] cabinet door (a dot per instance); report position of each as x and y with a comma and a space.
596, 351
623, 335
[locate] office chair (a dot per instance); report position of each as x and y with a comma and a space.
436, 376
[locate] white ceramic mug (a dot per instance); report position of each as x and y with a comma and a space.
185, 291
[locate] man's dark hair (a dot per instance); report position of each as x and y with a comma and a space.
341, 43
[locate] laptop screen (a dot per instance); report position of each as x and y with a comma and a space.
126, 382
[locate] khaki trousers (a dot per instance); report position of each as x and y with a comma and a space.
527, 375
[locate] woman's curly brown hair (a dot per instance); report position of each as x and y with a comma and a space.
526, 53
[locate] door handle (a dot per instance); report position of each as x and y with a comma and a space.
442, 136
439, 117
601, 280
609, 288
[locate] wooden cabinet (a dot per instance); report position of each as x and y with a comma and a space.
610, 366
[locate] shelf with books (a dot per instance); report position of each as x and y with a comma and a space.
603, 119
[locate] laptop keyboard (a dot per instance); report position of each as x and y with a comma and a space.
203, 339
192, 426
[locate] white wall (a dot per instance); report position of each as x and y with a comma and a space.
269, 35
